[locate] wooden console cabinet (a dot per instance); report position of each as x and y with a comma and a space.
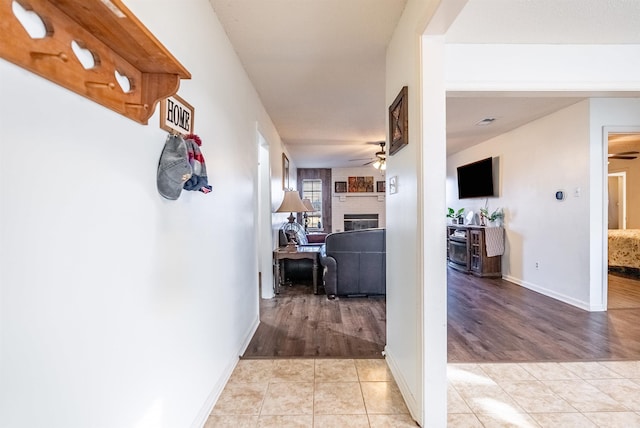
467, 252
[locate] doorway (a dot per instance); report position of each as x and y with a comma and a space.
623, 159
263, 220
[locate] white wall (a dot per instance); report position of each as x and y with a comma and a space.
120, 308
550, 67
359, 203
407, 282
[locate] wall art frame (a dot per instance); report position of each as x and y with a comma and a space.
340, 187
399, 122
360, 184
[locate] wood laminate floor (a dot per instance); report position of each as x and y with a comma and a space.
624, 291
297, 323
495, 320
489, 320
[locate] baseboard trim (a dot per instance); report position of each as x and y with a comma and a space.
550, 293
211, 400
414, 409
249, 335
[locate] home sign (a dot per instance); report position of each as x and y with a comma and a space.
176, 115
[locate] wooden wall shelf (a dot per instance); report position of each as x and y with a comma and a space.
118, 42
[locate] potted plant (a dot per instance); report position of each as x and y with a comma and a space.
455, 216
495, 217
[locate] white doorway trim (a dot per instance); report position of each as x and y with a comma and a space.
262, 218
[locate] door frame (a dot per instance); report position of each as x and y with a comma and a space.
262, 217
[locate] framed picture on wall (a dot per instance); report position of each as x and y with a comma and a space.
285, 172
340, 187
360, 184
399, 122
380, 186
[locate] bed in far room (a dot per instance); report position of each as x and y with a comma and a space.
624, 249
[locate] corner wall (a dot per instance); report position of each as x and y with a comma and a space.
120, 308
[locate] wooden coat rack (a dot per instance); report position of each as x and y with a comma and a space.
121, 46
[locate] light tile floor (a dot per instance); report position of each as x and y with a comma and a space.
362, 393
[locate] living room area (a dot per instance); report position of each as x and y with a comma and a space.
330, 304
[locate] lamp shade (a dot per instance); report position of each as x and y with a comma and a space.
291, 203
380, 164
307, 203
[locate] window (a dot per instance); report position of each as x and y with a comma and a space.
312, 190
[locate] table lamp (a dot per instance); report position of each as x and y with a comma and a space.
291, 203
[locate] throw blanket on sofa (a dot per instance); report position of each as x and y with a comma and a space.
624, 248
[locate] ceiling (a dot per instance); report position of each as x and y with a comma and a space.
319, 66
624, 142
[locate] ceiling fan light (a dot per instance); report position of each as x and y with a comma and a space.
383, 167
377, 164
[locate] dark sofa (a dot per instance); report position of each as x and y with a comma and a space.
355, 263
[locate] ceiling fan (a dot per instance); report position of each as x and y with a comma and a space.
380, 161
378, 154
624, 155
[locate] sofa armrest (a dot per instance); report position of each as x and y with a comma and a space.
330, 273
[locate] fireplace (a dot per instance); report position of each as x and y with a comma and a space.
360, 221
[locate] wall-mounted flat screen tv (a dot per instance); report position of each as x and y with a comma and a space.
475, 180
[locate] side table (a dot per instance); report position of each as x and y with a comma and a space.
311, 252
